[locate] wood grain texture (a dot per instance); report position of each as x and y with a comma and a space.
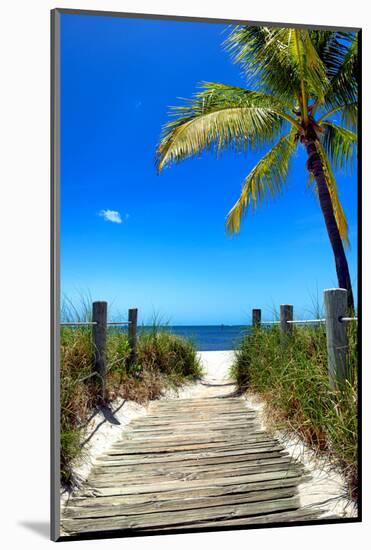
256, 317
336, 301
99, 335
132, 334
190, 463
286, 314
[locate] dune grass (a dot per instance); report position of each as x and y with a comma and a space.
163, 360
293, 381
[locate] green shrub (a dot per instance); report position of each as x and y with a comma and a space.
163, 360
77, 392
293, 380
171, 355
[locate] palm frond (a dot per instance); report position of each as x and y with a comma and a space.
340, 144
309, 66
332, 47
284, 60
348, 113
266, 179
343, 88
261, 54
340, 217
218, 117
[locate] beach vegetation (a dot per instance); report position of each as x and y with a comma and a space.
164, 361
293, 381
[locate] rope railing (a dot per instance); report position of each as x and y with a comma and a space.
309, 321
78, 323
100, 326
303, 321
336, 309
87, 323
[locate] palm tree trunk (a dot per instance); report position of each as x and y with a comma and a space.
342, 269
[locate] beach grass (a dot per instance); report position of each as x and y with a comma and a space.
293, 381
164, 360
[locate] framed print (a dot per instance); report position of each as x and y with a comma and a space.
206, 290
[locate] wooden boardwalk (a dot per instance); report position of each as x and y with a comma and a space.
190, 463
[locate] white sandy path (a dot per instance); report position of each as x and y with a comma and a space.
215, 380
324, 490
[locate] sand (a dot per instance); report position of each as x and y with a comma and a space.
326, 489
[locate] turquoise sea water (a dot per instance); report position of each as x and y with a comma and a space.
211, 337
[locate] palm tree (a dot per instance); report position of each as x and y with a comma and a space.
302, 89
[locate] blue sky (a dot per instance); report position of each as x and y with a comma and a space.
158, 243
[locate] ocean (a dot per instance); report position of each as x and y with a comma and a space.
210, 337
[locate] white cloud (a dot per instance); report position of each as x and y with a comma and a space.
111, 216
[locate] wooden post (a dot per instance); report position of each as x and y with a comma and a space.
256, 317
336, 335
100, 342
286, 314
132, 333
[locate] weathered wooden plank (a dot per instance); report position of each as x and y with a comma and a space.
191, 465
147, 458
218, 410
111, 480
195, 424
280, 517
184, 494
222, 404
202, 404
250, 429
176, 468
162, 469
191, 436
192, 462
101, 479
182, 420
175, 441
225, 431
196, 401
194, 418
197, 449
167, 449
195, 411
162, 486
98, 509
191, 429
183, 517
183, 426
